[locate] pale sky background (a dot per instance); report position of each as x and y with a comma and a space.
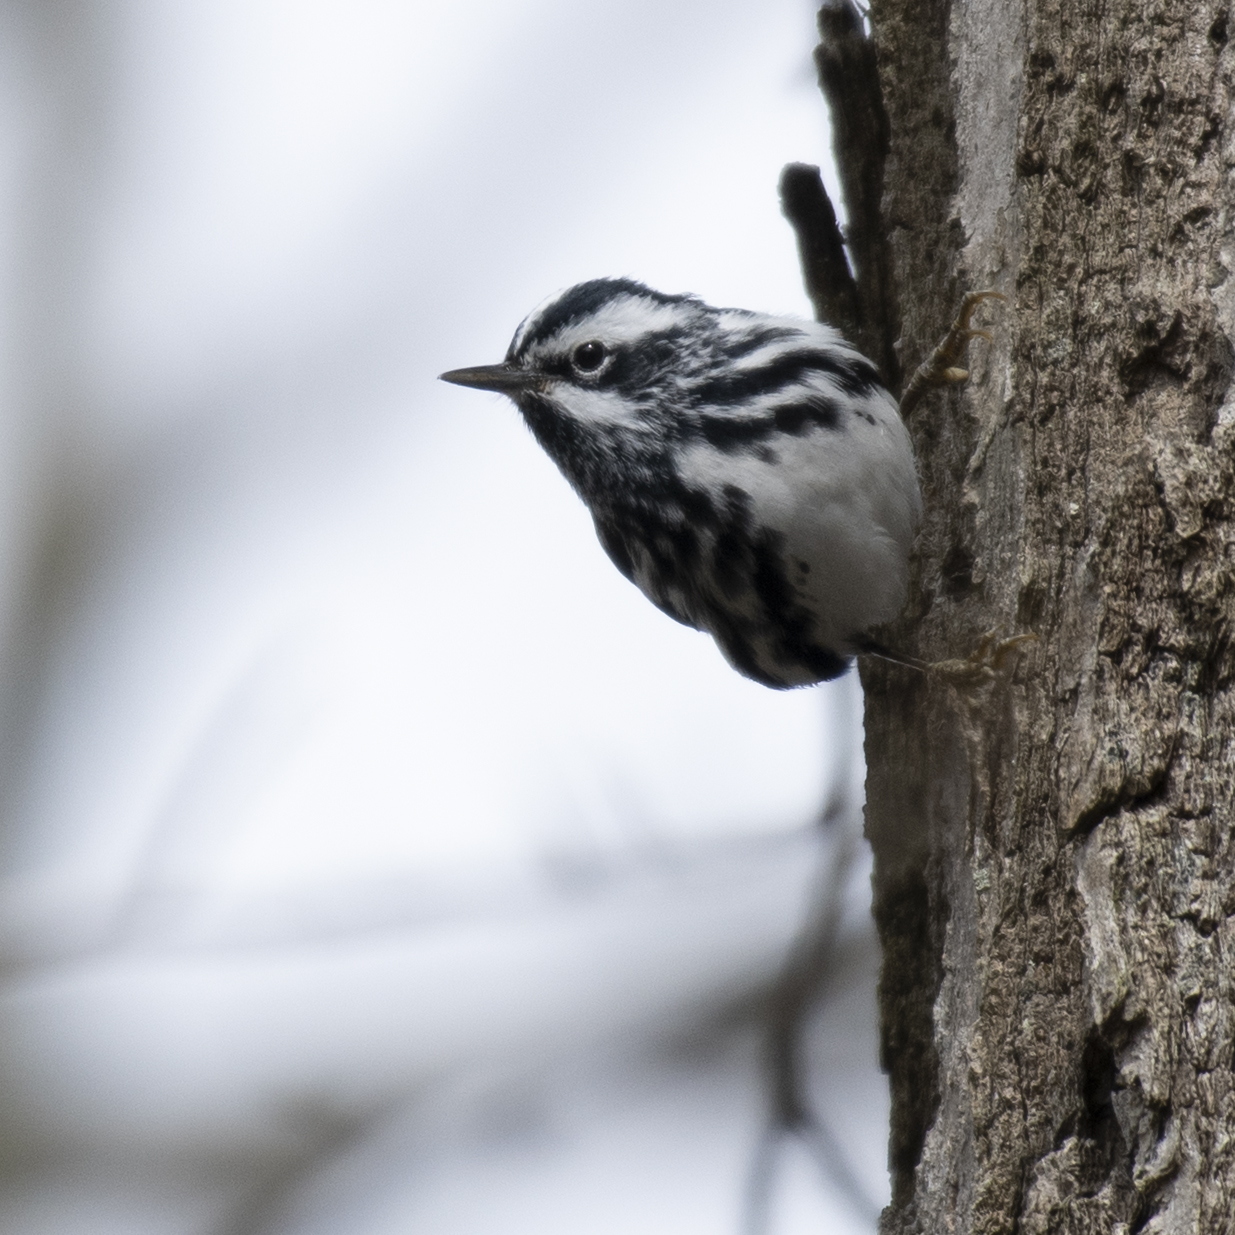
376, 858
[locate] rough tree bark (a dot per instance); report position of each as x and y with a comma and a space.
1055, 865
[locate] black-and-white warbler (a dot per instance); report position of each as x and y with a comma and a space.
750, 473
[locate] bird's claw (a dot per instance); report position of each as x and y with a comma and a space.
943, 367
983, 664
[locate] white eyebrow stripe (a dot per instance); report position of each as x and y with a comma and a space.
623, 321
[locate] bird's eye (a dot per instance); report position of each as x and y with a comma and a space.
588, 357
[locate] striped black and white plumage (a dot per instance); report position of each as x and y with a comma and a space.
748, 472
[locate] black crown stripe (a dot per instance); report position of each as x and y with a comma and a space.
583, 300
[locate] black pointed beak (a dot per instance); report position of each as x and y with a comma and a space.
502, 377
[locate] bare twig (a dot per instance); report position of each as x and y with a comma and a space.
821, 247
849, 79
801, 987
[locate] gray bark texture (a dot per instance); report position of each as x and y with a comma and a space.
1055, 864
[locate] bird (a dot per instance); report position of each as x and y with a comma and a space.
749, 472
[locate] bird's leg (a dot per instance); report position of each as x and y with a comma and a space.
943, 367
981, 666
984, 663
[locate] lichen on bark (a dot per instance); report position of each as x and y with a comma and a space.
1055, 864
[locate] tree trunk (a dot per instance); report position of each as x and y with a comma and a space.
1055, 867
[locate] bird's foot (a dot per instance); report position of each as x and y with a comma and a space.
944, 365
984, 664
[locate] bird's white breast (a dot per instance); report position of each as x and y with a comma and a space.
846, 502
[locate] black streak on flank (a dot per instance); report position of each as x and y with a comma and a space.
856, 375
758, 338
738, 649
697, 505
657, 546
614, 544
675, 549
781, 634
663, 544
853, 374
737, 432
796, 418
787, 618
731, 560
771, 586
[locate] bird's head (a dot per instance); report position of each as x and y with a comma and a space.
613, 378
606, 352
602, 373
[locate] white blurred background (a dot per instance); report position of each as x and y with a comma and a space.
375, 859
